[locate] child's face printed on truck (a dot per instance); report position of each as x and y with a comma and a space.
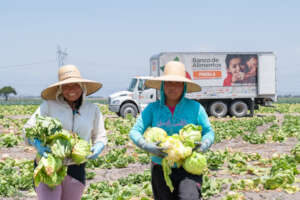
252, 63
235, 65
173, 90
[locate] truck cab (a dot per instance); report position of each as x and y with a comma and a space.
133, 100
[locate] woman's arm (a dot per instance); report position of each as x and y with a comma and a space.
98, 132
142, 123
208, 135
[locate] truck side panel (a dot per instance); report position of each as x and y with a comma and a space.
210, 71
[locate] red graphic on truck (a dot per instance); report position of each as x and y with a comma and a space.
187, 75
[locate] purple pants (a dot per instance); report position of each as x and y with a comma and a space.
69, 189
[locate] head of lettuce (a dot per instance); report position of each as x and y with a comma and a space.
191, 134
155, 134
195, 163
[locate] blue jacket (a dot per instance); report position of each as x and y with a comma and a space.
157, 114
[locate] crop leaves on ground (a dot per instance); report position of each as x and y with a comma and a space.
238, 127
228, 169
15, 176
114, 158
134, 185
9, 140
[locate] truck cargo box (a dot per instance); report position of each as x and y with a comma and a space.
211, 71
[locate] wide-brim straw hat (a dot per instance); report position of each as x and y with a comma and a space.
69, 74
174, 71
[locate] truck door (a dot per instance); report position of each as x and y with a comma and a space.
266, 75
146, 95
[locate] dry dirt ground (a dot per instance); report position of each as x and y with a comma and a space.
238, 145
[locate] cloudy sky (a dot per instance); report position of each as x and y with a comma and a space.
111, 41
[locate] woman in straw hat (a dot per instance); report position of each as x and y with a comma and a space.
171, 113
65, 100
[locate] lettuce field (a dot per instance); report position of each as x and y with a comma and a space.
252, 158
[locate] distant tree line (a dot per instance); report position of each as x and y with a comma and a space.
289, 95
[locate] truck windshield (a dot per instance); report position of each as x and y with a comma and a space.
132, 84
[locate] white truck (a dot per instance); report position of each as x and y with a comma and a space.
232, 82
133, 100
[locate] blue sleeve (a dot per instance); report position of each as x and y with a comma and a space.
207, 131
142, 123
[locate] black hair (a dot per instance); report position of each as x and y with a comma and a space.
229, 57
248, 57
78, 103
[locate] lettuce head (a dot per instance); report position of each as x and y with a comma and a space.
61, 148
44, 127
155, 134
80, 151
175, 149
50, 171
191, 134
195, 164
61, 143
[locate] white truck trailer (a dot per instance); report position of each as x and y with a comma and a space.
232, 82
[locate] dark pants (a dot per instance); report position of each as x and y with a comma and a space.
186, 186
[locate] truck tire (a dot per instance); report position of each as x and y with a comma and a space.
239, 109
218, 109
128, 108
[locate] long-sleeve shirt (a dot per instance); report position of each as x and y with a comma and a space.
88, 122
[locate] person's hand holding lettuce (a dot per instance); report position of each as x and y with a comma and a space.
63, 147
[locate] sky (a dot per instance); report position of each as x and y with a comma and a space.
112, 41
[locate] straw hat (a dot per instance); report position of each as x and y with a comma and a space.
69, 74
174, 71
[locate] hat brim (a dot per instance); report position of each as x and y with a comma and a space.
156, 82
50, 92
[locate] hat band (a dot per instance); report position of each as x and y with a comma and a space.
68, 77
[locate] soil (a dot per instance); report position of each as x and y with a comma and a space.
238, 145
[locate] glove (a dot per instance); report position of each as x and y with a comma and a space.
151, 148
202, 147
39, 147
96, 149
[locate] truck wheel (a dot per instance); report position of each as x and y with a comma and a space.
218, 109
239, 109
128, 108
